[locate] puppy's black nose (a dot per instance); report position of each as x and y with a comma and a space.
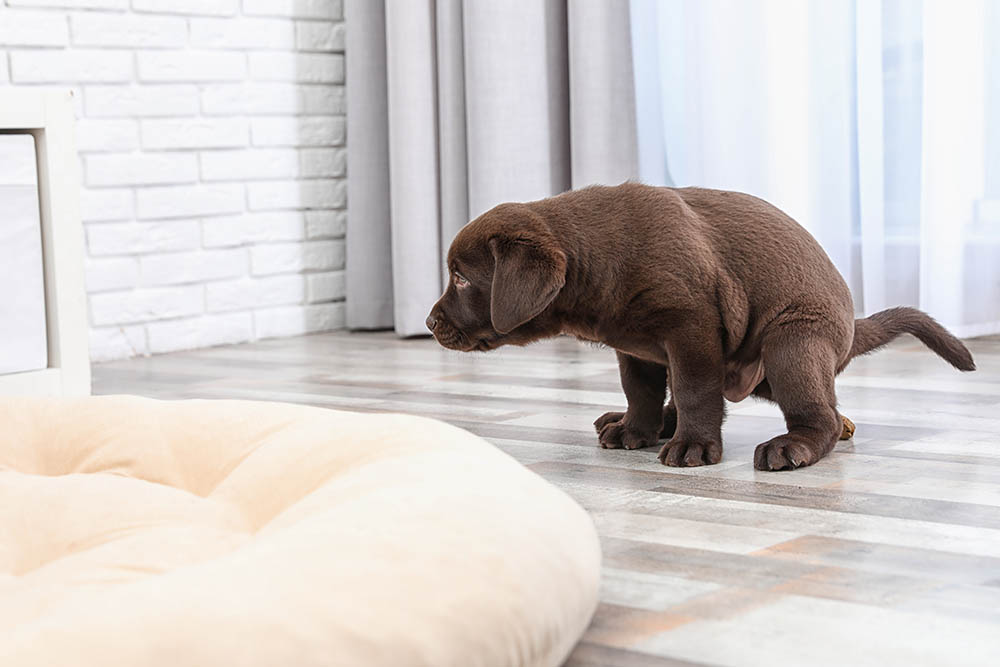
431, 322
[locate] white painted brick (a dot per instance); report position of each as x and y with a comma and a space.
71, 4
148, 100
300, 67
76, 66
248, 293
114, 273
272, 98
326, 224
319, 36
318, 162
295, 257
212, 153
190, 66
298, 320
317, 193
106, 135
192, 267
243, 165
128, 30
181, 201
141, 168
310, 9
253, 228
107, 343
204, 331
270, 195
316, 99
182, 133
202, 7
30, 28
105, 205
242, 33
136, 238
307, 131
325, 286
142, 305
76, 99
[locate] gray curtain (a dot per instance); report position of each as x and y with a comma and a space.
454, 107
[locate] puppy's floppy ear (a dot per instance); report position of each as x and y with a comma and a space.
527, 276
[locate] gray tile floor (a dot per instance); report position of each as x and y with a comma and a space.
886, 552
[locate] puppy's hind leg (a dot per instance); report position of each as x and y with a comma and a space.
800, 367
645, 386
763, 390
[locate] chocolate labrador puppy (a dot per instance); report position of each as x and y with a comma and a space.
711, 295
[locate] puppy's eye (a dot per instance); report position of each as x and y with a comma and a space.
459, 280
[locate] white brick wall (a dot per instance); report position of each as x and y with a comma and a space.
128, 30
149, 100
159, 66
312, 9
211, 139
140, 168
31, 28
73, 4
202, 7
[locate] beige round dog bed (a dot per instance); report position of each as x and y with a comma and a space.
138, 532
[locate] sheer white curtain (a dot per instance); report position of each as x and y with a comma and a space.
875, 124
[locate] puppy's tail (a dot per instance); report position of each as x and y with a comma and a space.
873, 332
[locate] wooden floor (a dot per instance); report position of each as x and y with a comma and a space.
886, 552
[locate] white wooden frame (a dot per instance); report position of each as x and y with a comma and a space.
48, 117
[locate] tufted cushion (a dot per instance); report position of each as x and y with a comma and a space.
140, 532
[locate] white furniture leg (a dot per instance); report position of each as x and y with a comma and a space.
48, 117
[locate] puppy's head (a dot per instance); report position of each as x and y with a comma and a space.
504, 269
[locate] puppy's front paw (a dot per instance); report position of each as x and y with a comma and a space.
684, 453
616, 435
606, 419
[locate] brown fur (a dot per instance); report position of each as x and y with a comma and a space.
705, 293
